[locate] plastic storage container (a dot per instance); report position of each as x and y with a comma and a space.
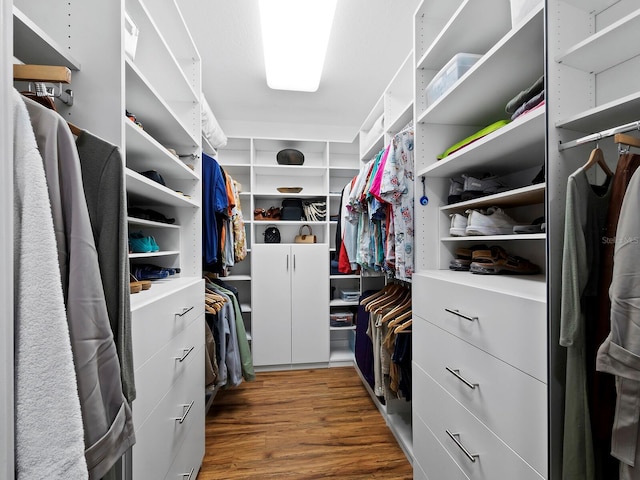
449, 74
341, 319
350, 295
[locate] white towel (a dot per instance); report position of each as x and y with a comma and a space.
49, 430
210, 126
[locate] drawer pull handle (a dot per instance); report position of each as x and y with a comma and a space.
456, 373
186, 412
186, 353
456, 312
188, 475
185, 310
455, 438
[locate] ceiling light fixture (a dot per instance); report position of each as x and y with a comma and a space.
295, 35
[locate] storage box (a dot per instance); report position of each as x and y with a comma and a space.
449, 74
350, 295
520, 9
341, 319
130, 36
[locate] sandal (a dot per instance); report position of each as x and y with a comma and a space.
496, 261
136, 285
261, 214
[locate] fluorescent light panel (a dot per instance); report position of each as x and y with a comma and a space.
295, 35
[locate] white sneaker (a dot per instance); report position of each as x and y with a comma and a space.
458, 225
492, 222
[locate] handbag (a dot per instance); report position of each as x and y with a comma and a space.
301, 238
271, 234
292, 209
315, 211
290, 156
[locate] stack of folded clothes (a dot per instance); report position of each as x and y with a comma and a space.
527, 99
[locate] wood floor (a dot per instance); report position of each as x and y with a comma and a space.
300, 424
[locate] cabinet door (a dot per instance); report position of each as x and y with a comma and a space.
310, 304
271, 294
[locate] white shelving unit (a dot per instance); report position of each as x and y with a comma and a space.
161, 86
590, 65
446, 303
327, 168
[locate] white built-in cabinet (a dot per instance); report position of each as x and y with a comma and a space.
489, 373
161, 85
290, 307
266, 283
480, 341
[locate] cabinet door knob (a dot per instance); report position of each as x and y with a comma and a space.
456, 438
456, 373
462, 315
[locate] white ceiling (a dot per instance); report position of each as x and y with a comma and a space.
369, 41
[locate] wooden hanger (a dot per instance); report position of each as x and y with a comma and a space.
401, 306
388, 300
400, 318
628, 140
378, 294
597, 158
404, 328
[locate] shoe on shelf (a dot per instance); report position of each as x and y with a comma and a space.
149, 272
492, 222
497, 261
476, 187
134, 282
140, 243
458, 225
456, 187
537, 226
462, 262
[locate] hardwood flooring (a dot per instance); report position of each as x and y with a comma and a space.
302, 425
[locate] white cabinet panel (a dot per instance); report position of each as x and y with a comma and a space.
271, 308
310, 304
290, 292
431, 461
508, 401
476, 449
512, 328
160, 439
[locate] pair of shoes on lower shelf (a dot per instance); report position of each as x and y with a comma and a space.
136, 286
140, 243
492, 221
496, 261
152, 272
468, 187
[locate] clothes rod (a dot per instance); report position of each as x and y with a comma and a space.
594, 137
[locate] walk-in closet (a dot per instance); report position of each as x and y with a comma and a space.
420, 263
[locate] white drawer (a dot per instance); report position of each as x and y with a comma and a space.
430, 460
510, 403
155, 377
512, 328
153, 325
442, 414
189, 458
159, 440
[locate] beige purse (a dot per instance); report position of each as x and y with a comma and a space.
300, 238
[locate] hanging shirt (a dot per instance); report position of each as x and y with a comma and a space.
397, 189
214, 201
584, 220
